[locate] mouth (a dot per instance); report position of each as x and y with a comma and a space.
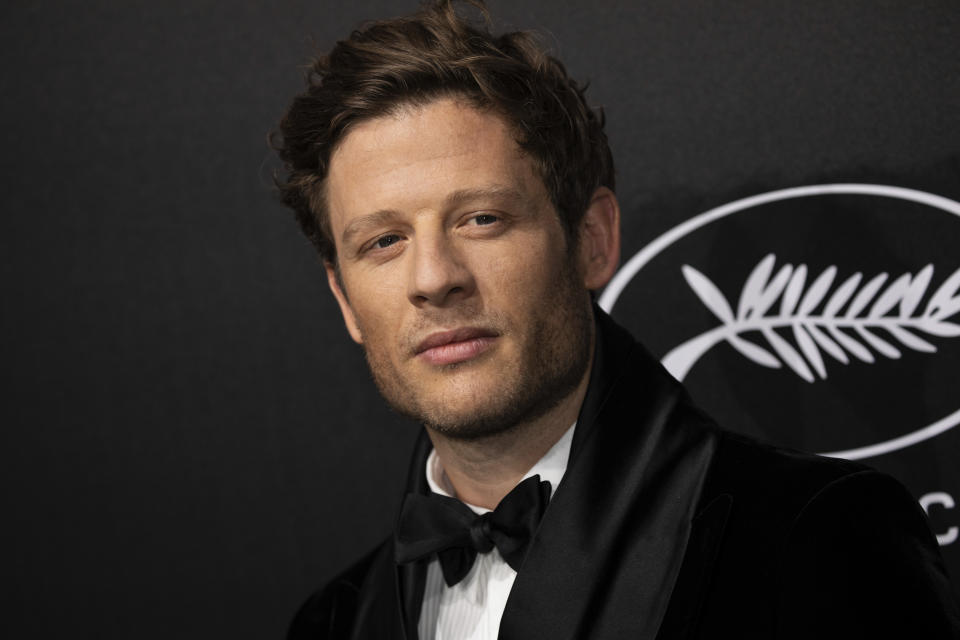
455, 346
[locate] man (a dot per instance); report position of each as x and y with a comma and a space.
460, 192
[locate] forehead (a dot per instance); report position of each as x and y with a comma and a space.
413, 159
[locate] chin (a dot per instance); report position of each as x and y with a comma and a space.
469, 426
469, 412
483, 419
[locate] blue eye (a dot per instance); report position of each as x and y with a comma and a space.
386, 241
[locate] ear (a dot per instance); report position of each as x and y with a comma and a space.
600, 239
348, 317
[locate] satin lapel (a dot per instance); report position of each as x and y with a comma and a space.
605, 558
412, 578
379, 614
391, 597
684, 613
410, 581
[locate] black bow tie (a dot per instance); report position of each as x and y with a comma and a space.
437, 524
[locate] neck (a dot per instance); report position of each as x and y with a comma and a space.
482, 471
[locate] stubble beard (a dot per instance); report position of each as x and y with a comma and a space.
554, 361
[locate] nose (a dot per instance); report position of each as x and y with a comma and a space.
438, 275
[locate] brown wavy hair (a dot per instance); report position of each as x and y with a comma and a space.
432, 54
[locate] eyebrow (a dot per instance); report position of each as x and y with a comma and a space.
357, 225
495, 192
457, 198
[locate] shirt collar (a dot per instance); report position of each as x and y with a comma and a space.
550, 467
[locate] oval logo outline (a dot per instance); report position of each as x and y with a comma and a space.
633, 266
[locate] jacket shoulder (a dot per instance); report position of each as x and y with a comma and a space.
823, 548
756, 471
862, 544
329, 612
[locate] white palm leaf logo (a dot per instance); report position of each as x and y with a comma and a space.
857, 319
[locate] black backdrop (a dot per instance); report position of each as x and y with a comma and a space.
191, 443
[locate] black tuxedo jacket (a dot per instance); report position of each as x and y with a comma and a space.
666, 526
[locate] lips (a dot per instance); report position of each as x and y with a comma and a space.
457, 345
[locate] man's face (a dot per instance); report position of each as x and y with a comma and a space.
455, 270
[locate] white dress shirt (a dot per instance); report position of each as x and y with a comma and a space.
472, 608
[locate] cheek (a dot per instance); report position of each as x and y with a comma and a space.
374, 322
530, 256
543, 264
374, 308
523, 281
